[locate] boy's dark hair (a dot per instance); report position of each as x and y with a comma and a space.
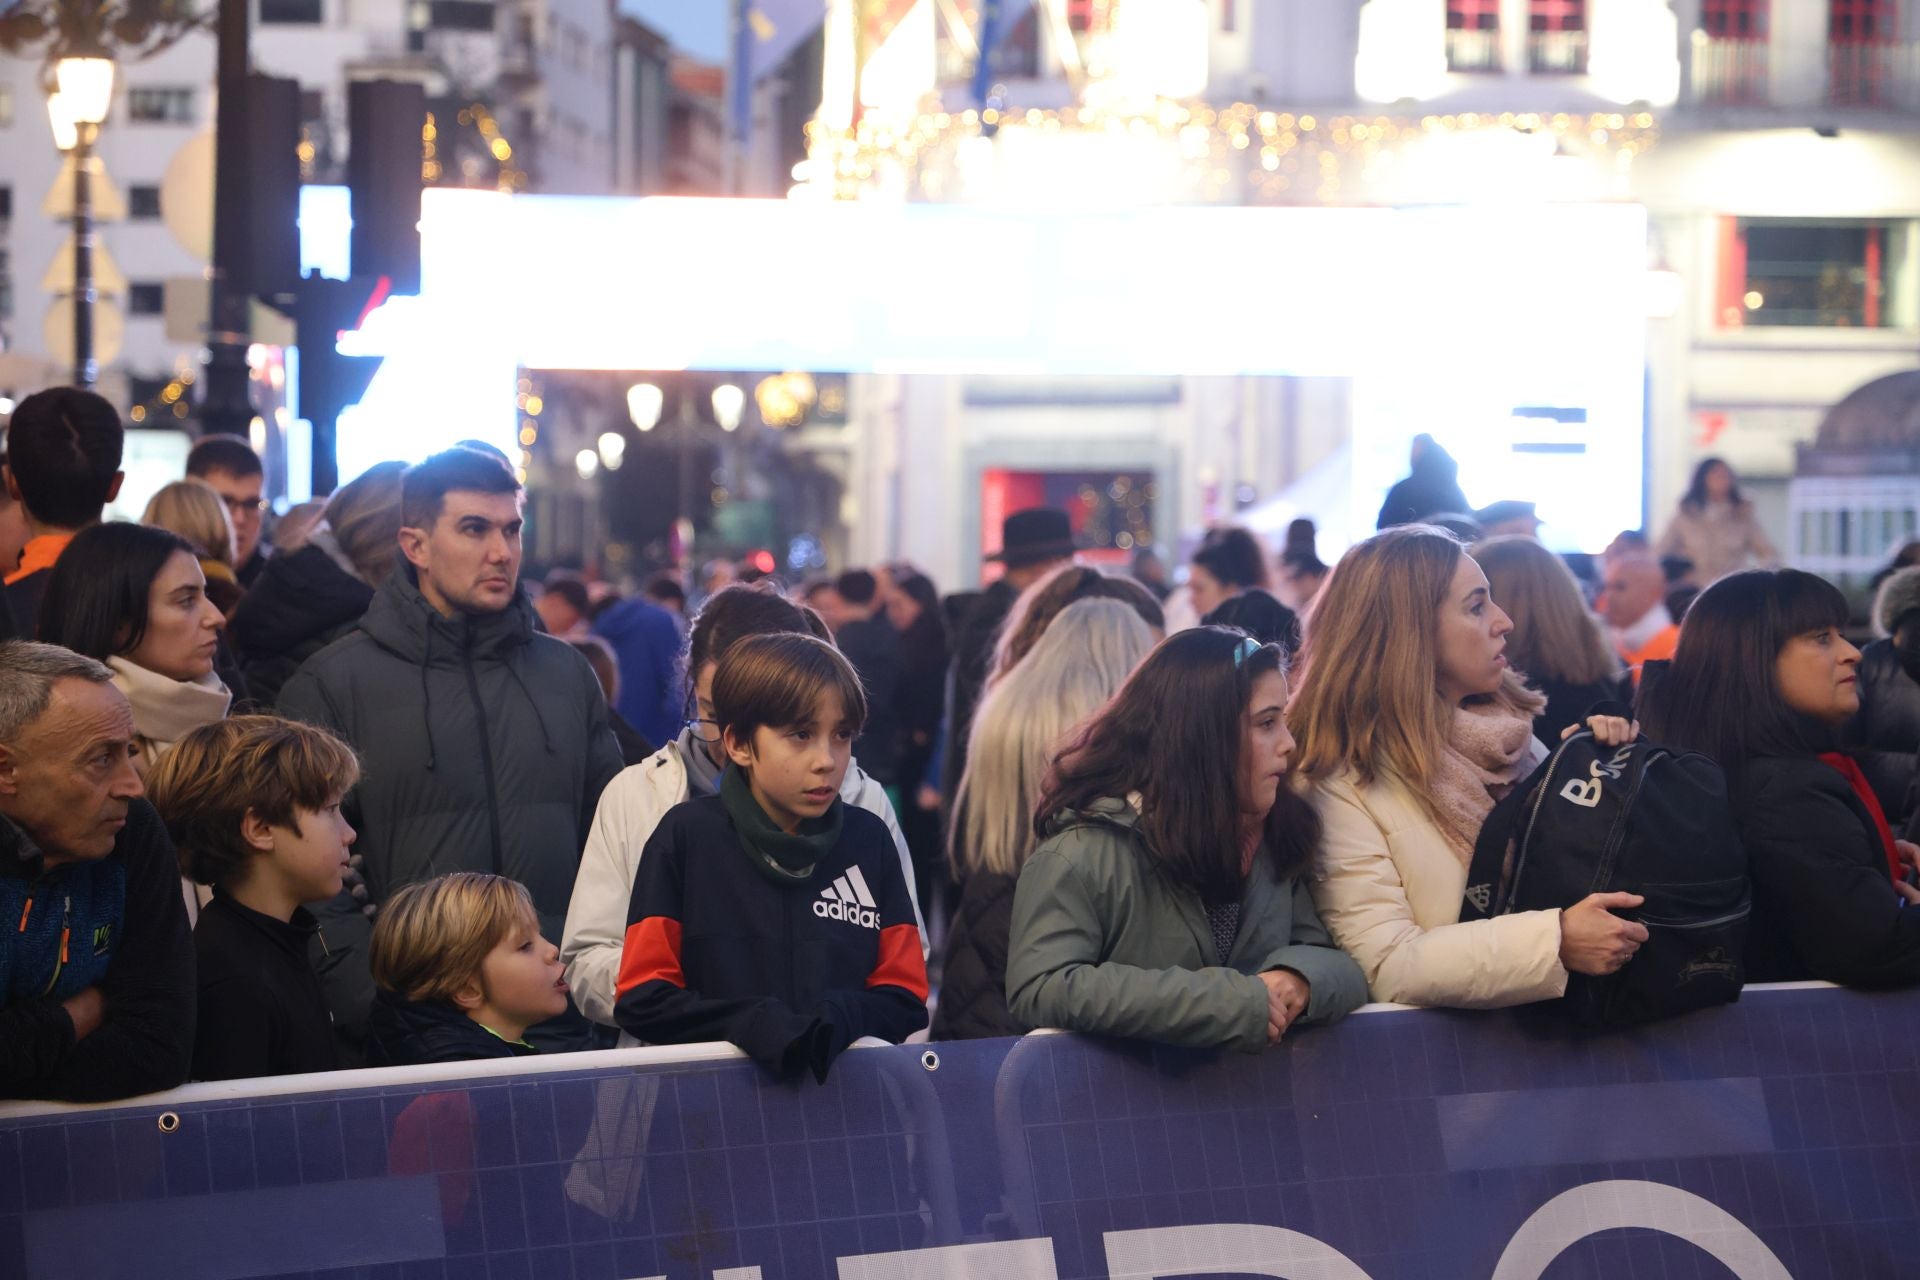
733, 613
424, 489
64, 447
1173, 736
665, 587
568, 587
1234, 556
97, 600
205, 785
856, 587
223, 452
1720, 695
778, 680
1260, 615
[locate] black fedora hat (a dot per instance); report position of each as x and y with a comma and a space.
1034, 535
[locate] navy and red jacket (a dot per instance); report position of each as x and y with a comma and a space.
792, 974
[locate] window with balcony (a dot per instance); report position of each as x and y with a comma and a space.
291, 12
160, 106
1557, 37
146, 299
143, 202
1803, 273
1473, 35
1863, 61
461, 15
1730, 51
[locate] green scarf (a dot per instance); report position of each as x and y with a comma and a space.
780, 857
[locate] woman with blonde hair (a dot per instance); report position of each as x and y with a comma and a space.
1071, 671
1411, 724
1557, 644
194, 510
315, 590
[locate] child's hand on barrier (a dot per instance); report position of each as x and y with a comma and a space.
1287, 996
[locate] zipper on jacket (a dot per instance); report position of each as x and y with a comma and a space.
66, 933
486, 750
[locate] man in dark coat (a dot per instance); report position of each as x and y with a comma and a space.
302, 602
867, 639
1033, 543
485, 743
1433, 488
96, 965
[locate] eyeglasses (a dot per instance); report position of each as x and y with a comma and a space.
243, 506
704, 730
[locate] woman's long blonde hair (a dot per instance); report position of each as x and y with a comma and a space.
195, 511
1077, 664
1555, 636
1366, 694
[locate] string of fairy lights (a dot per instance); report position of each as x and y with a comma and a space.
1252, 153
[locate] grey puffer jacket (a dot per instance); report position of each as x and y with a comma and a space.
484, 747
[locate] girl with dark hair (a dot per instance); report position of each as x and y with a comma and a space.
1228, 560
688, 767
1715, 526
134, 597
1166, 900
1762, 681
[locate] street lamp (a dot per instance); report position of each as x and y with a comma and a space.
76, 110
644, 403
729, 403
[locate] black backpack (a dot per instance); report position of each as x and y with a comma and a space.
1640, 819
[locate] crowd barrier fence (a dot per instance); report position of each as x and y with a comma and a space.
1771, 1138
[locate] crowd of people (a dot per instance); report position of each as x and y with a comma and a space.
349, 792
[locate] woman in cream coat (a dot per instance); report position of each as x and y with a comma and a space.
1411, 725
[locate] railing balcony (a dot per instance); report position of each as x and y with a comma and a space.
1872, 74
1472, 51
1730, 72
1557, 53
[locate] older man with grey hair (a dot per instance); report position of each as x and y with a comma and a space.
96, 978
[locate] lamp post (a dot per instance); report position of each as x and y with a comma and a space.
76, 109
80, 41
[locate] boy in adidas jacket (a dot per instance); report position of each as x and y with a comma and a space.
773, 914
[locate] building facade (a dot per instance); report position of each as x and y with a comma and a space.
1774, 144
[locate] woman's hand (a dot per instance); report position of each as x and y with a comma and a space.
1608, 731
1287, 995
1596, 942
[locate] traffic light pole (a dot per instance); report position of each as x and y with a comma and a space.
229, 399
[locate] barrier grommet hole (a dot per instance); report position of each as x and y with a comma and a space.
930, 1060
169, 1121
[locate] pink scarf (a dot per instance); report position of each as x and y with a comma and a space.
1488, 750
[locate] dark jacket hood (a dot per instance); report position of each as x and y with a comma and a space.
299, 595
406, 1032
402, 622
1112, 812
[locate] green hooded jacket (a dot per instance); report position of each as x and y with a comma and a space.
1103, 942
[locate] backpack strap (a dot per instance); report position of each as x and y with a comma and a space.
1486, 887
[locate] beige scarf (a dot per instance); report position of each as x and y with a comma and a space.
1488, 750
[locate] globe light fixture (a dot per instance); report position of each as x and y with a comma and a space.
613, 450
644, 403
86, 87
729, 404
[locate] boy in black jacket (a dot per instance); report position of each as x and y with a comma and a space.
253, 804
773, 915
462, 972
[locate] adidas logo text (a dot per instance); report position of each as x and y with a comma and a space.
848, 899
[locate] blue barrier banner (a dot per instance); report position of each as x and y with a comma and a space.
1777, 1137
